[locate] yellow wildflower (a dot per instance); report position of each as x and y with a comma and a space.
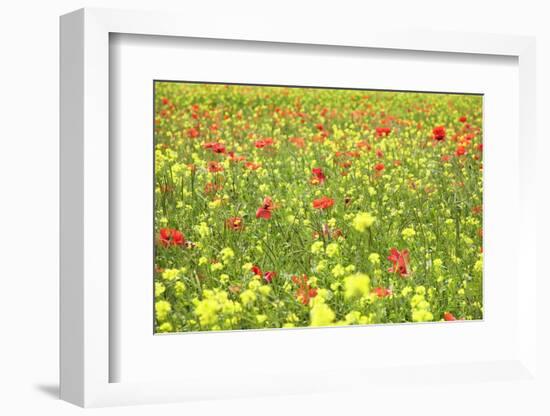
357, 285
338, 270
374, 258
227, 254
352, 317
247, 297
478, 266
159, 289
333, 249
166, 327
317, 247
408, 233
203, 229
265, 290
170, 274
322, 265
362, 221
321, 315
216, 266
179, 288
162, 309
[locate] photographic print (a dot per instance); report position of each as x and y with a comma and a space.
293, 207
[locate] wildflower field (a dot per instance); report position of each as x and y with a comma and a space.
279, 207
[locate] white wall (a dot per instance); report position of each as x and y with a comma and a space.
29, 56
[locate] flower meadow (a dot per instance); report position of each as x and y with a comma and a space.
281, 207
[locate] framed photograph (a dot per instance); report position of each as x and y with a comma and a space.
275, 212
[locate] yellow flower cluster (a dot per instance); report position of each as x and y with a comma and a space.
317, 247
332, 250
420, 306
374, 258
172, 274
162, 309
227, 254
214, 305
356, 286
408, 233
362, 221
321, 313
356, 318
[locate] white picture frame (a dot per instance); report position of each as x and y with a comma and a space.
85, 220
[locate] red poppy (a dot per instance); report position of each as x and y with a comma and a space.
235, 223
460, 151
379, 167
214, 167
318, 138
448, 316
383, 131
318, 176
319, 126
211, 187
252, 165
171, 237
256, 270
268, 141
235, 158
382, 292
400, 260
323, 203
265, 210
439, 133
363, 144
346, 164
215, 147
463, 119
445, 158
193, 133
267, 276
165, 100
304, 292
297, 141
